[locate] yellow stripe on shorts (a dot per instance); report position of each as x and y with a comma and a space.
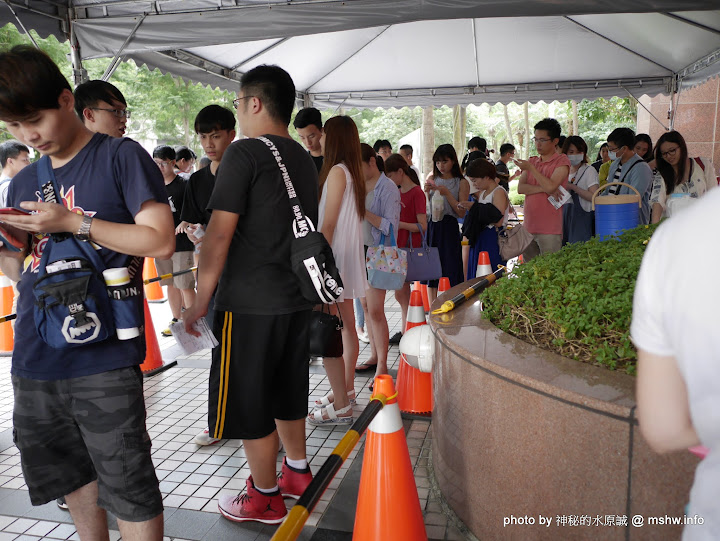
222, 385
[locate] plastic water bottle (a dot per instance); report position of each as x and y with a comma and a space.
437, 204
677, 202
117, 281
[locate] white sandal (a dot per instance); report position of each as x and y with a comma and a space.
325, 401
316, 417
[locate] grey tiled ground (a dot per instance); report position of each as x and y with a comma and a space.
193, 477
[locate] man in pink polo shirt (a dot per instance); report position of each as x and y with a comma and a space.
542, 177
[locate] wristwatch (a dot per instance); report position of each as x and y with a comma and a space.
83, 233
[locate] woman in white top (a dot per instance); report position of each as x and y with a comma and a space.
582, 184
677, 173
340, 215
482, 174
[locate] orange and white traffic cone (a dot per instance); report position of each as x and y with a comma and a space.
388, 502
425, 298
483, 267
153, 357
6, 330
153, 291
443, 285
415, 391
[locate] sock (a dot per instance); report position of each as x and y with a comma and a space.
300, 466
268, 491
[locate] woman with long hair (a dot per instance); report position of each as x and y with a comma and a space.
382, 214
412, 213
444, 232
482, 174
644, 147
678, 174
340, 215
582, 184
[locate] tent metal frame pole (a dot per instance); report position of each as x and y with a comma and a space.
195, 61
80, 74
618, 44
25, 7
692, 23
21, 24
116, 59
675, 100
348, 58
265, 50
643, 106
477, 67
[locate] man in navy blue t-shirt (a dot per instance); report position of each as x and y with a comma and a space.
79, 417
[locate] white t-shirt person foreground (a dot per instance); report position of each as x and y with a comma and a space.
676, 328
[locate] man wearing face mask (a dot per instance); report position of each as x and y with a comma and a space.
629, 168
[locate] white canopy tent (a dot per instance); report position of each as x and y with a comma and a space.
381, 53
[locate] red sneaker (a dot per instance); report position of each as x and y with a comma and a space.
253, 505
293, 483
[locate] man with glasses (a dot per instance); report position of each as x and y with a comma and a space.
102, 108
629, 168
541, 178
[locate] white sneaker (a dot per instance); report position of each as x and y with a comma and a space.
363, 337
204, 438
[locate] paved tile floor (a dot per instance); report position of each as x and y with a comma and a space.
193, 477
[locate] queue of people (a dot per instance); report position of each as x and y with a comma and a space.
79, 419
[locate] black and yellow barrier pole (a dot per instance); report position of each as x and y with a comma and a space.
474, 289
9, 317
298, 515
169, 275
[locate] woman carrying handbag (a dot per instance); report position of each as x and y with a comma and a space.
412, 213
382, 213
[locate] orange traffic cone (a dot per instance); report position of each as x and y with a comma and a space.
388, 503
153, 292
415, 392
6, 331
153, 357
425, 298
443, 285
483, 267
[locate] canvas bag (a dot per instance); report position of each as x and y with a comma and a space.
386, 264
311, 256
72, 306
423, 263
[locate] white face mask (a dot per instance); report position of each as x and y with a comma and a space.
575, 159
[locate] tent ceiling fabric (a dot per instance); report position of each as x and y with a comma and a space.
370, 53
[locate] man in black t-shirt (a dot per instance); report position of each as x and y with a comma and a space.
308, 123
259, 380
180, 289
215, 126
507, 153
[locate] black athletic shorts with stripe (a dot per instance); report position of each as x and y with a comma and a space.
259, 373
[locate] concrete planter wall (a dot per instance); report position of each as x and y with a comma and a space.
519, 432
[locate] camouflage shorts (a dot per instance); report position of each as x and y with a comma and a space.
73, 431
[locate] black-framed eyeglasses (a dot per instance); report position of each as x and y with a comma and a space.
613, 149
670, 152
120, 113
537, 140
236, 101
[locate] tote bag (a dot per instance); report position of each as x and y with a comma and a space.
386, 264
423, 263
513, 241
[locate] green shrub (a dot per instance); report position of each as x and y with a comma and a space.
576, 302
515, 197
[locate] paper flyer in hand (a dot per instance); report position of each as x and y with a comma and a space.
192, 344
564, 198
